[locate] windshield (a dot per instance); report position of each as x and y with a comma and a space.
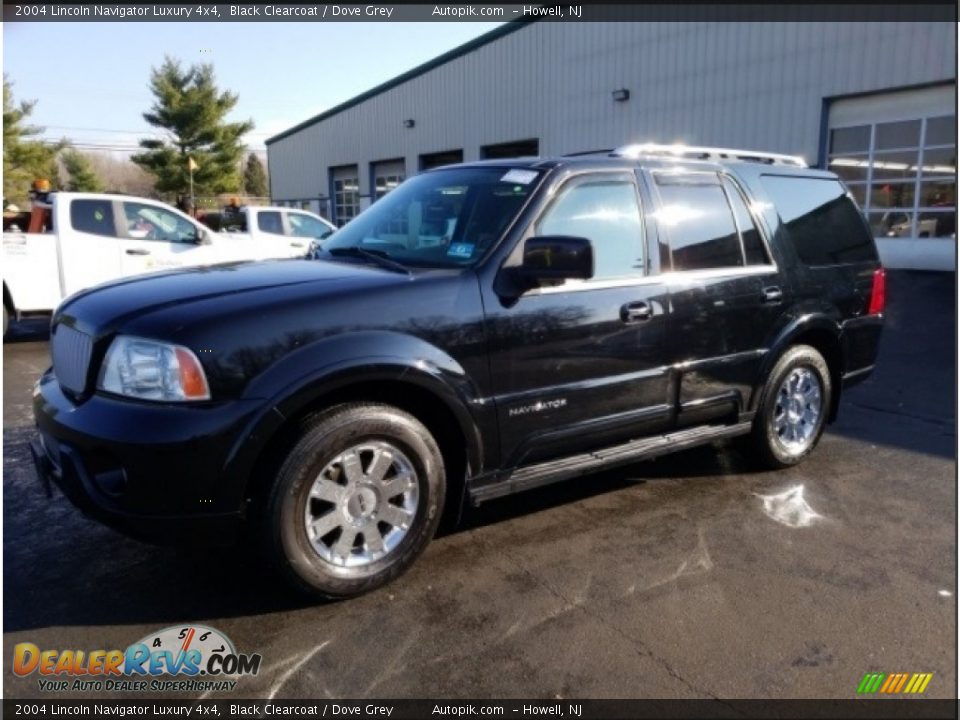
444, 218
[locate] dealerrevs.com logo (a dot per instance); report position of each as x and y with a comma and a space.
188, 659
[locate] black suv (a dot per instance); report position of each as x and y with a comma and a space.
483, 329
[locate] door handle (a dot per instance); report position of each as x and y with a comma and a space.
137, 251
296, 244
772, 295
635, 312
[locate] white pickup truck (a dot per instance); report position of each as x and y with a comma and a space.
77, 240
297, 229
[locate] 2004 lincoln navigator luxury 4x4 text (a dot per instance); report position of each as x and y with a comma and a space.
483, 329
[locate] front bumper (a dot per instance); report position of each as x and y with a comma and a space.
157, 472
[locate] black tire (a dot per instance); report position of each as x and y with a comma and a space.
324, 437
767, 448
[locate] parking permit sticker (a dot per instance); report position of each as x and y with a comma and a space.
524, 177
460, 250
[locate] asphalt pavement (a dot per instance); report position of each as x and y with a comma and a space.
689, 576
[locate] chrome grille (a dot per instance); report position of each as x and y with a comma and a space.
71, 355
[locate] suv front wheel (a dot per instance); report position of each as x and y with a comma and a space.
356, 501
793, 409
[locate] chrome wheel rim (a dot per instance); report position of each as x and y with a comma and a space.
796, 413
361, 505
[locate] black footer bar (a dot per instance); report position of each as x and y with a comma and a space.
419, 709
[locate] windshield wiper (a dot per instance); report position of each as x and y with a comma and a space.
378, 257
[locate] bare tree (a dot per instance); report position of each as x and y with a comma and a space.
121, 175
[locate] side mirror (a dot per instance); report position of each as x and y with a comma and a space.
202, 237
550, 259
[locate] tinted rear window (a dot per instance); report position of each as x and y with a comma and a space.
269, 222
92, 216
823, 223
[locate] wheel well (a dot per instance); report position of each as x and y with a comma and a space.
828, 345
421, 403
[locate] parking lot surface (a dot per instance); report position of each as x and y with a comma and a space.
689, 576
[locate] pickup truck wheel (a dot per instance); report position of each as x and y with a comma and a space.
356, 501
794, 408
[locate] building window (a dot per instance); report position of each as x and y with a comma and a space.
433, 160
346, 199
518, 148
903, 174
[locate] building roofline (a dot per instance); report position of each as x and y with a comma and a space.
459, 51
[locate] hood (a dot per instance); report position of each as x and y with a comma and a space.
102, 307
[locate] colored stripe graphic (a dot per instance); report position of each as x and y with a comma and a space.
894, 683
871, 682
903, 679
913, 683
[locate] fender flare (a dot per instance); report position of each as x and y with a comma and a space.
799, 325
331, 364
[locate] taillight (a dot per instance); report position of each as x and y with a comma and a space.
878, 293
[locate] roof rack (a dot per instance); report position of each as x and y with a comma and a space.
603, 151
707, 153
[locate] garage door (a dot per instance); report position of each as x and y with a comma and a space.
897, 152
387, 174
346, 194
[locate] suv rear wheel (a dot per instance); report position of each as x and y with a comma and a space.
793, 410
356, 501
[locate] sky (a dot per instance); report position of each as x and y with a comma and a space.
90, 79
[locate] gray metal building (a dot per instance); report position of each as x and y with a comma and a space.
875, 102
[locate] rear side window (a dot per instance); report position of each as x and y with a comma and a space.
696, 215
93, 216
753, 248
269, 222
824, 225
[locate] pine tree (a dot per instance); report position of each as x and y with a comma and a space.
191, 109
24, 159
255, 178
82, 177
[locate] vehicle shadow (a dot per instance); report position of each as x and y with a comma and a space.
709, 461
63, 569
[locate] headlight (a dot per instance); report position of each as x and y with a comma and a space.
152, 370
